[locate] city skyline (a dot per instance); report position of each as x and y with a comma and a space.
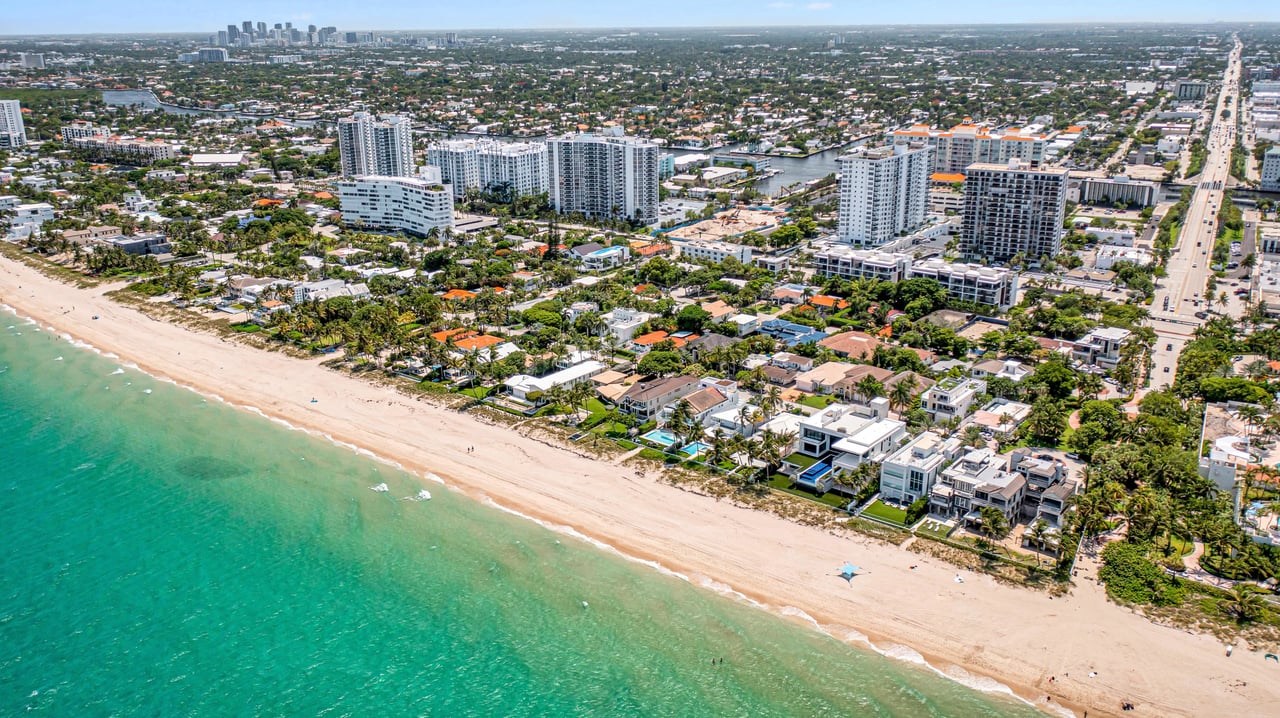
150, 16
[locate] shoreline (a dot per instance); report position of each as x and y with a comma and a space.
980, 627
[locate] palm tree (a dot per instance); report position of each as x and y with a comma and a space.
994, 523
1037, 535
868, 388
902, 395
1245, 604
973, 435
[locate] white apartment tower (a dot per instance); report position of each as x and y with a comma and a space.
459, 163
1012, 210
609, 176
12, 132
375, 146
884, 192
514, 168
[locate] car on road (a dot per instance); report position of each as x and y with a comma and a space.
1166, 370
1168, 347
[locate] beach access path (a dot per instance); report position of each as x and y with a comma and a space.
979, 630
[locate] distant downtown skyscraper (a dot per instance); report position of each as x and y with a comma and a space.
1012, 210
884, 192
609, 176
12, 131
375, 146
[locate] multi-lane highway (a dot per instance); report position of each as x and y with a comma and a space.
1181, 294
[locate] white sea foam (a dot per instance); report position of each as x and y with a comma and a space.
117, 371
380, 488
58, 359
146, 391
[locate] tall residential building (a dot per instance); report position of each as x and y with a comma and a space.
212, 54
1012, 210
517, 168
610, 176
884, 192
12, 132
1271, 170
404, 204
373, 146
967, 143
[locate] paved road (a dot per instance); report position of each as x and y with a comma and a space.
1188, 266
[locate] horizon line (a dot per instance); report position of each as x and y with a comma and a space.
770, 26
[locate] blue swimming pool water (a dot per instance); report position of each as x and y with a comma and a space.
695, 448
660, 436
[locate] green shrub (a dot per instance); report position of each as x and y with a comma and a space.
1132, 578
917, 510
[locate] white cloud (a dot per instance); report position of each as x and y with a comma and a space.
819, 6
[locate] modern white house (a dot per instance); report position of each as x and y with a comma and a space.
951, 398
530, 388
624, 321
405, 204
910, 472
1101, 346
606, 258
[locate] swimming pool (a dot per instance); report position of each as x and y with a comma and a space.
660, 436
695, 448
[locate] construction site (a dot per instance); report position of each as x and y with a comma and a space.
731, 223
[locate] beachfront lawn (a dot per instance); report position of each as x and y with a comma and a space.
800, 460
247, 328
476, 392
884, 512
783, 483
941, 535
653, 455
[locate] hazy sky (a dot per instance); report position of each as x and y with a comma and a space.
85, 16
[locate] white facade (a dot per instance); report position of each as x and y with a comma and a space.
1101, 346
715, 252
211, 54
910, 472
951, 398
609, 176
375, 146
1108, 256
519, 168
405, 204
849, 263
992, 286
80, 130
1270, 170
12, 131
884, 193
522, 385
130, 149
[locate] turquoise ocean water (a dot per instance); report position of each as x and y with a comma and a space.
167, 555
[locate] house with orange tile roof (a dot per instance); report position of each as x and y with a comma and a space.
455, 295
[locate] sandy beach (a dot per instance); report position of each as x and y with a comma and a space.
979, 630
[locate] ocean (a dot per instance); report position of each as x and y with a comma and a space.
166, 554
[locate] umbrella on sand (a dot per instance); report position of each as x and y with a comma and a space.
848, 571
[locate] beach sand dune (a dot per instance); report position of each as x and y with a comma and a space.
979, 627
